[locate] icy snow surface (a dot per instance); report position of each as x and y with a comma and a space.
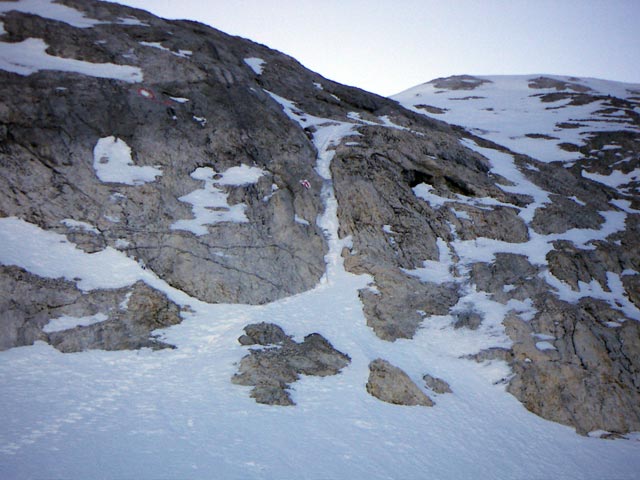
256, 64
498, 110
175, 414
113, 163
29, 56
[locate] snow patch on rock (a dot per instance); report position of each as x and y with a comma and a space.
113, 163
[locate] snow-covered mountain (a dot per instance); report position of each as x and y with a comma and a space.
218, 264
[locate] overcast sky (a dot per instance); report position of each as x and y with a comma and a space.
386, 46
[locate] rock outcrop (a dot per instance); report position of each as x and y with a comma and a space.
437, 385
118, 319
392, 385
272, 370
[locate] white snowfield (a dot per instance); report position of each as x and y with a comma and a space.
175, 414
506, 109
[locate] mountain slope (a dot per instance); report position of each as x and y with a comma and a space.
163, 174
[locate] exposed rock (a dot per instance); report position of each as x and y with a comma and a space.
508, 276
467, 319
546, 82
263, 334
47, 173
373, 183
459, 82
494, 353
499, 223
130, 314
272, 370
392, 385
127, 328
437, 385
590, 378
564, 214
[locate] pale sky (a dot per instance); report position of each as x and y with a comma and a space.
386, 46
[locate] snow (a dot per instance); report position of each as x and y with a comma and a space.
461, 214
256, 64
545, 346
209, 204
158, 45
175, 413
113, 163
503, 164
425, 192
617, 297
615, 179
2, 30
65, 322
124, 305
179, 99
508, 106
201, 120
301, 220
62, 13
435, 271
76, 225
131, 21
51, 255
240, 176
51, 10
29, 56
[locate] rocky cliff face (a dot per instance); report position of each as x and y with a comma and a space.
195, 155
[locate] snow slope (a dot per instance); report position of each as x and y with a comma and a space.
175, 413
526, 114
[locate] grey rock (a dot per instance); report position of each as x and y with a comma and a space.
126, 327
272, 370
263, 334
459, 82
467, 319
437, 385
564, 214
47, 174
591, 379
392, 385
495, 353
499, 223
